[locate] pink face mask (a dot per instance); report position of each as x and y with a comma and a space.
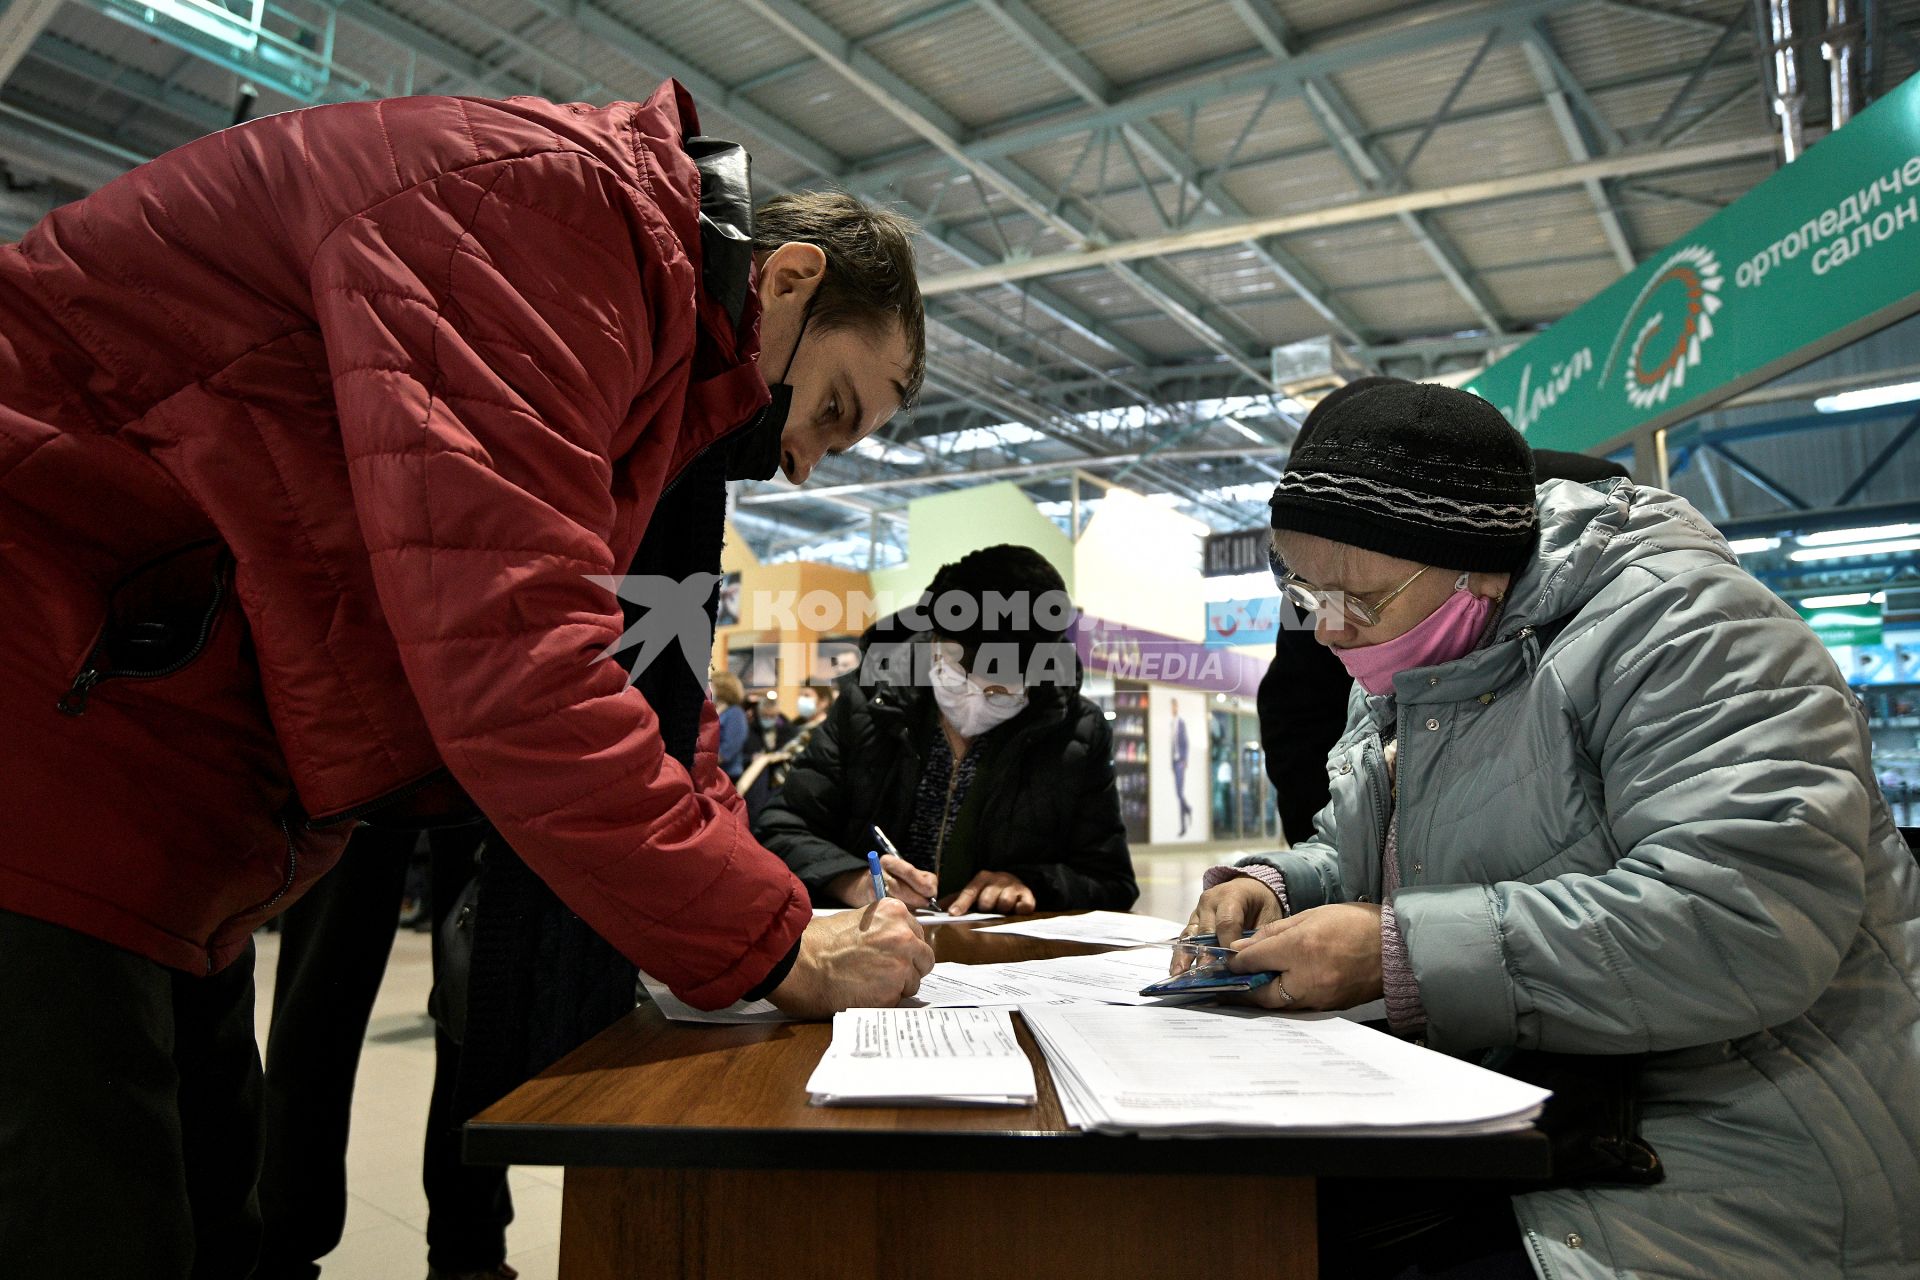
1450, 632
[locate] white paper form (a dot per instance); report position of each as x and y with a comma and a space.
742, 1011
1217, 1071
983, 986
923, 1057
1114, 977
1116, 928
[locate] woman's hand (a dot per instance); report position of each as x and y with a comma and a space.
994, 891
1327, 957
1227, 910
905, 881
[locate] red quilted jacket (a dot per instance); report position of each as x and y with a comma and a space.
353, 400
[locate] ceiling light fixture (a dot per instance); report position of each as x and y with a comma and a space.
1869, 397
1854, 550
1834, 537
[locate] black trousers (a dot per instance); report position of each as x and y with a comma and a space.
1418, 1229
334, 947
129, 1103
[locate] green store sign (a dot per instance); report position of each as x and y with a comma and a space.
1860, 624
1824, 251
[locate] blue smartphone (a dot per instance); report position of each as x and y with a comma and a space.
1205, 979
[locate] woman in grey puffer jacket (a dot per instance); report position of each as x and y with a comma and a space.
1614, 799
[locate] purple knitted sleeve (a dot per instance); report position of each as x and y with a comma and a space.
1405, 1013
1265, 874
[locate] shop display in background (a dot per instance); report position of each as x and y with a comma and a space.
1243, 801
1886, 679
1125, 702
1177, 782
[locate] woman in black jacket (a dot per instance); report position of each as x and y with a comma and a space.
971, 747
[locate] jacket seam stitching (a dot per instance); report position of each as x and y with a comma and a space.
327, 567
485, 549
1614, 817
534, 717
1736, 696
461, 171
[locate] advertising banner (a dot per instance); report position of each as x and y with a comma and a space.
1177, 748
1134, 653
1242, 622
1824, 251
1240, 551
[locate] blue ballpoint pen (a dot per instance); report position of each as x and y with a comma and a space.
932, 907
879, 881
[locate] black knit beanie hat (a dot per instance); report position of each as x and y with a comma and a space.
1345, 391
1414, 470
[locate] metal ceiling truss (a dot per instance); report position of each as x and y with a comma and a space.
998, 384
290, 53
1700, 446
1353, 45
1583, 129
1028, 193
1375, 170
1085, 79
21, 23
1367, 209
1424, 129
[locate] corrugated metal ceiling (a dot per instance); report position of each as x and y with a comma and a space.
1532, 259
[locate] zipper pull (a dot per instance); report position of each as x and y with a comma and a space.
75, 700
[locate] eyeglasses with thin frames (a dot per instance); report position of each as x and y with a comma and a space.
1305, 596
949, 674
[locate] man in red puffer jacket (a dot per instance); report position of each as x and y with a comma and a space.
313, 437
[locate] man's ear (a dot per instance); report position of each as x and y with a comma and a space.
793, 271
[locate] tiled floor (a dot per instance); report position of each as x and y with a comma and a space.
387, 1211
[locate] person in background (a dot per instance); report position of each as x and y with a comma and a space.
998, 790
759, 725
728, 694
334, 947
777, 725
811, 707
1302, 699
1607, 803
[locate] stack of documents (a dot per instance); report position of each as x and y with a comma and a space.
1213, 1071
922, 1058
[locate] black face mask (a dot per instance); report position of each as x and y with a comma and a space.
753, 451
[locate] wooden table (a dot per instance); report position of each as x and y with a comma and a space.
691, 1152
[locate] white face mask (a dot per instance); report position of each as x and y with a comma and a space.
805, 707
967, 705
